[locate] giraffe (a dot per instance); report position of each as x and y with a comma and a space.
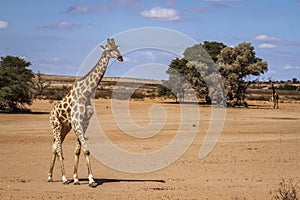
275, 98
74, 112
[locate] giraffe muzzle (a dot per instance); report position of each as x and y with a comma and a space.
120, 58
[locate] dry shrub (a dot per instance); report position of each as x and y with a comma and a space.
285, 191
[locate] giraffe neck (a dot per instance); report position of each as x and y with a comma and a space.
88, 84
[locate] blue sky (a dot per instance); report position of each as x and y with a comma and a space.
56, 36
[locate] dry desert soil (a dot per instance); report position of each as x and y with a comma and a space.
257, 148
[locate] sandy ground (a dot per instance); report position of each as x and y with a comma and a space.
258, 147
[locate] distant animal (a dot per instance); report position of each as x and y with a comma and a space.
275, 98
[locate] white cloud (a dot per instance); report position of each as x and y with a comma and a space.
161, 14
272, 72
199, 9
149, 55
85, 9
127, 3
297, 67
289, 67
170, 3
128, 59
63, 25
266, 46
222, 0
3, 25
66, 25
281, 41
55, 60
267, 38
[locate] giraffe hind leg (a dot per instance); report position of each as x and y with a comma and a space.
52, 162
59, 132
64, 131
57, 152
77, 153
56, 129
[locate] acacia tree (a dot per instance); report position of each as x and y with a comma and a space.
16, 83
237, 64
213, 49
198, 67
176, 84
202, 61
40, 84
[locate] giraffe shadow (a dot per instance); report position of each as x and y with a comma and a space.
25, 112
101, 181
265, 107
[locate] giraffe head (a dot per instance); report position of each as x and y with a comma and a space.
112, 50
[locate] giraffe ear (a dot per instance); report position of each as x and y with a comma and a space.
102, 47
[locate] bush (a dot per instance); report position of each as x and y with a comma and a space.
56, 96
16, 84
285, 191
287, 87
137, 95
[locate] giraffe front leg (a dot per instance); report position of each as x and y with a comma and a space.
86, 152
80, 126
77, 153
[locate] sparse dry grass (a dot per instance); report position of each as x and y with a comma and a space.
257, 146
285, 191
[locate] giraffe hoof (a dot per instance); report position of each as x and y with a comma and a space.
93, 184
76, 183
66, 182
50, 180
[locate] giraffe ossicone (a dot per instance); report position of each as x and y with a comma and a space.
74, 112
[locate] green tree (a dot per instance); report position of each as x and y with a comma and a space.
213, 49
204, 74
16, 83
177, 83
237, 64
40, 85
198, 70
